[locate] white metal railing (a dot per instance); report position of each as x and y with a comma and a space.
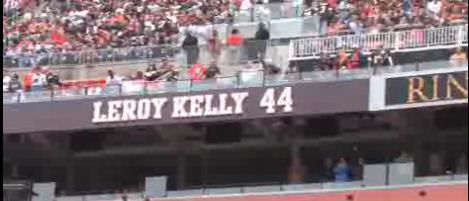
409, 40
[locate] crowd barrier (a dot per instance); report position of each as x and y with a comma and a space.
244, 79
249, 50
408, 40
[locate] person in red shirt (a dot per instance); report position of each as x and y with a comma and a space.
234, 39
28, 79
234, 42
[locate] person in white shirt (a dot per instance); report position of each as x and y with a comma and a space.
112, 79
434, 9
39, 80
6, 82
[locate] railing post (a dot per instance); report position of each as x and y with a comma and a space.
52, 94
397, 40
291, 50
238, 79
300, 75
263, 78
191, 84
461, 33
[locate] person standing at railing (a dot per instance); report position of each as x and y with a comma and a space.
6, 82
191, 47
113, 79
342, 61
214, 46
234, 42
387, 58
15, 85
39, 80
326, 14
262, 38
357, 60
342, 171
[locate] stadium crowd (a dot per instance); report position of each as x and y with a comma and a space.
373, 16
75, 25
78, 24
81, 25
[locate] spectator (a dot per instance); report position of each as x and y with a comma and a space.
112, 79
376, 58
212, 71
234, 43
39, 80
262, 37
356, 25
214, 45
326, 15
343, 61
53, 80
15, 85
381, 58
459, 57
191, 47
197, 71
167, 71
387, 58
434, 9
407, 8
342, 171
151, 73
6, 82
138, 76
357, 60
166, 66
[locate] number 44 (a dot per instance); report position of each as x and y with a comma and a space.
270, 102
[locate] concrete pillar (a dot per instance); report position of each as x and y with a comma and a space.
70, 178
181, 169
416, 126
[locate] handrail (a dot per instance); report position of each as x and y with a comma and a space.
397, 41
247, 79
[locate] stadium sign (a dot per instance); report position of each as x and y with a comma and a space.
188, 107
195, 106
432, 88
